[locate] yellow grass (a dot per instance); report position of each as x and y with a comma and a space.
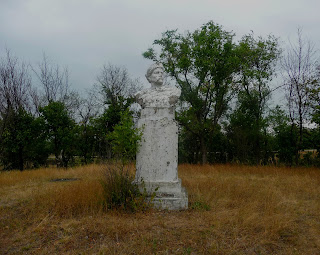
233, 210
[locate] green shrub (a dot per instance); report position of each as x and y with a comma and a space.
124, 138
200, 205
120, 192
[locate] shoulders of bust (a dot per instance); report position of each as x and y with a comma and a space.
169, 89
164, 89
172, 90
142, 92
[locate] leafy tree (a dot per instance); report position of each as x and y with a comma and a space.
285, 135
203, 64
23, 141
60, 128
18, 128
188, 147
316, 116
242, 131
315, 100
257, 66
103, 125
85, 142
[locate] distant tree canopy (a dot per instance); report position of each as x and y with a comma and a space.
225, 112
51, 119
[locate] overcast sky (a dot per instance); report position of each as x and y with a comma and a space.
85, 34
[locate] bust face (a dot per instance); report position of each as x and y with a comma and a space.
156, 78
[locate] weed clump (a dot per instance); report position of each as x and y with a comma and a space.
120, 191
200, 205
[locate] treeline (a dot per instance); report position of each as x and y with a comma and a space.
225, 112
44, 117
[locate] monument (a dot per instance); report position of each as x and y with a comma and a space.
157, 157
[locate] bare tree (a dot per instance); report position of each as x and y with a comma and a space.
116, 84
300, 77
15, 84
54, 85
89, 107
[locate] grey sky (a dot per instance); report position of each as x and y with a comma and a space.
85, 34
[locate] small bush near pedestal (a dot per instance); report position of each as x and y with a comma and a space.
119, 191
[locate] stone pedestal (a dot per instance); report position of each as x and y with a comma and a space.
157, 157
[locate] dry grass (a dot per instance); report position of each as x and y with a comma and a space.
233, 210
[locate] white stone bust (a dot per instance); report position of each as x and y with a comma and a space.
158, 95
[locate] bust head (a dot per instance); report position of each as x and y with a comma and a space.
154, 75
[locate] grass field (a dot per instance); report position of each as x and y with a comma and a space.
232, 210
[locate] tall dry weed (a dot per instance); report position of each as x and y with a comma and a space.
69, 199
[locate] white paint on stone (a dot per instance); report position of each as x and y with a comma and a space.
163, 97
157, 157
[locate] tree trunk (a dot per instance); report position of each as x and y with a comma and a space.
204, 159
20, 158
294, 143
300, 131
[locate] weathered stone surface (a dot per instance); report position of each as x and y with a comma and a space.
163, 97
157, 158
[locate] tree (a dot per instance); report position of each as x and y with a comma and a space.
116, 85
315, 100
315, 96
23, 141
257, 65
284, 134
203, 64
300, 78
15, 84
117, 89
54, 85
243, 132
124, 138
104, 124
86, 136
60, 128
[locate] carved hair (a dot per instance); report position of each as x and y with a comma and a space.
152, 68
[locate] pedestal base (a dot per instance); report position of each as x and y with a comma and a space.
168, 195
